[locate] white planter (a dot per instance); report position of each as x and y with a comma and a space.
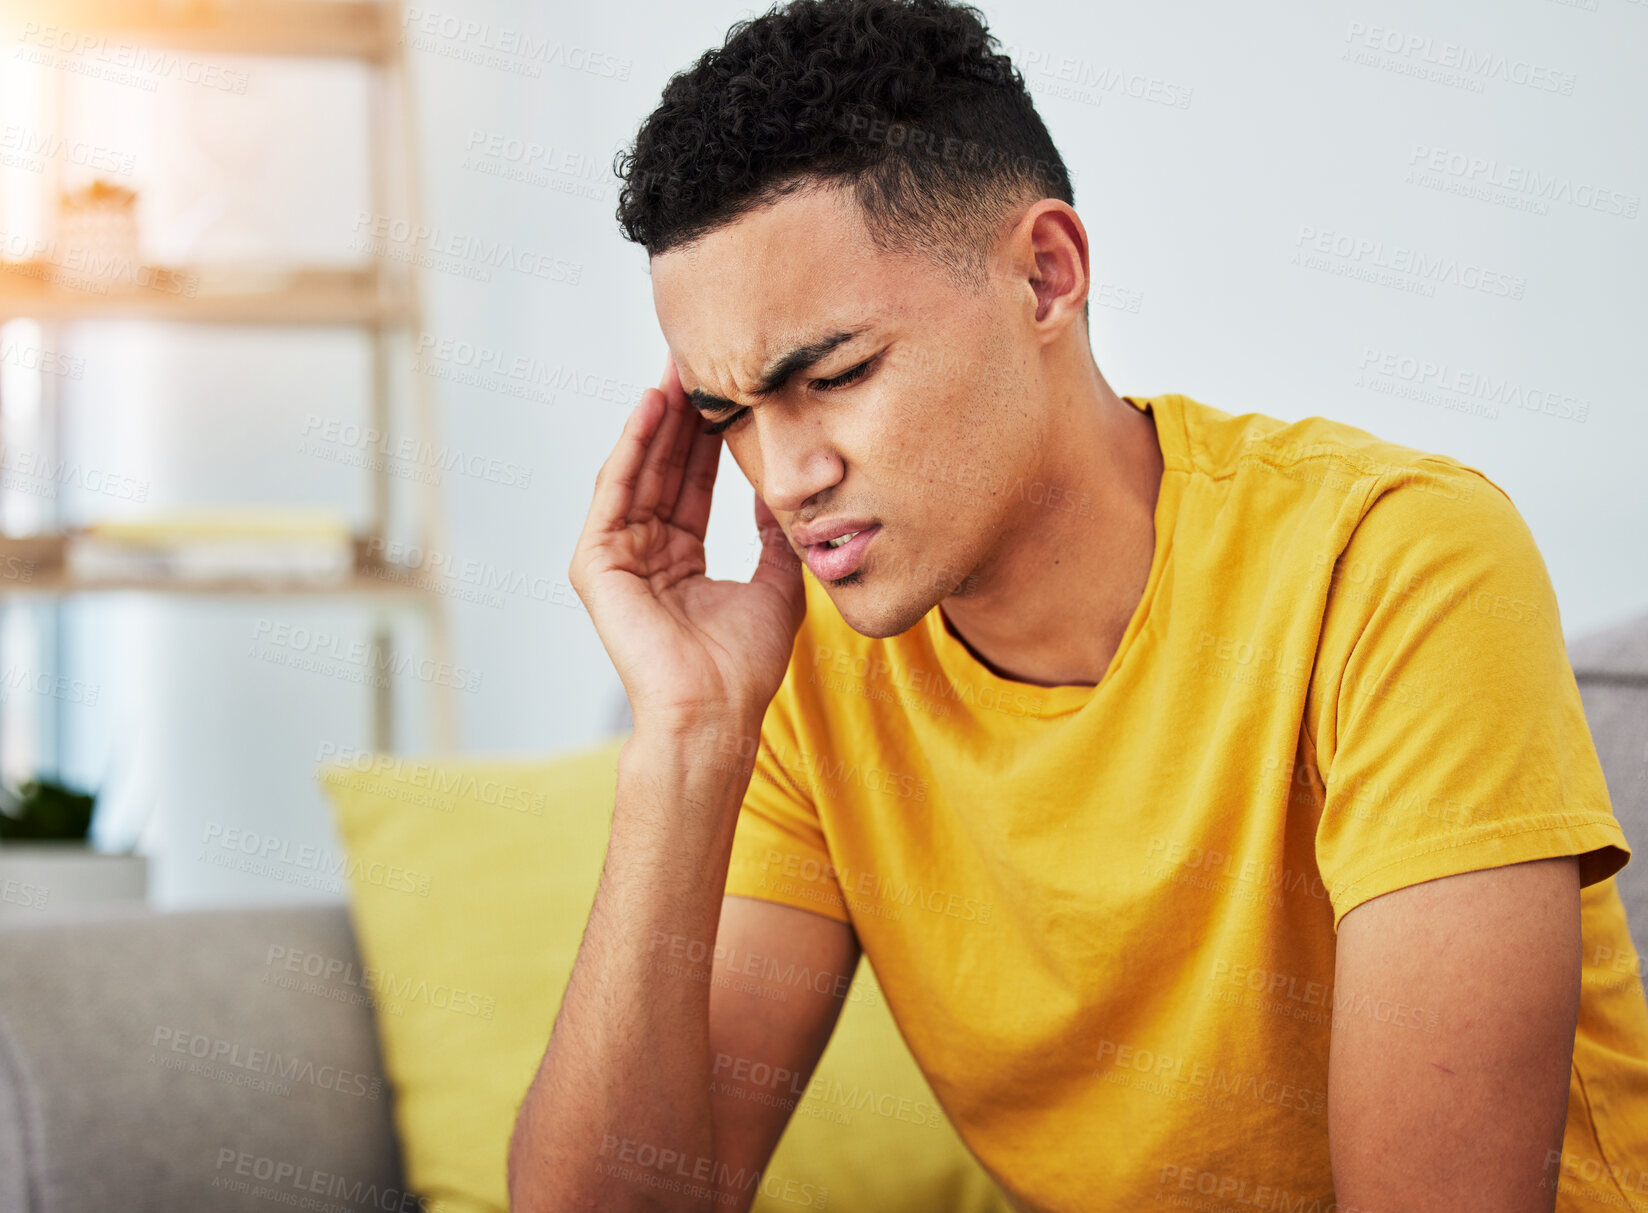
41, 880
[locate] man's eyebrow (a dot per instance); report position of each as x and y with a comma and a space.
778, 373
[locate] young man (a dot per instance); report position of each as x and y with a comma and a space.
1211, 794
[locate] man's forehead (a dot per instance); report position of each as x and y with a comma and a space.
743, 298
811, 234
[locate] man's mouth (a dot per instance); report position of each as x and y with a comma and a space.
839, 557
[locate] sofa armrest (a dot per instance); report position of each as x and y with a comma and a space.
218, 1059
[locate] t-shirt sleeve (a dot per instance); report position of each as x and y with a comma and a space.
1449, 730
779, 852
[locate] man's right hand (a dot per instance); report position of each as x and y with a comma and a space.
682, 644
647, 1050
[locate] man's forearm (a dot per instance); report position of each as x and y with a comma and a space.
623, 1088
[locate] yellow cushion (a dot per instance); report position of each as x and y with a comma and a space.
471, 880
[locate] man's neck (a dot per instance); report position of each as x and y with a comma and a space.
1049, 607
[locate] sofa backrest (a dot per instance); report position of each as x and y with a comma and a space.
204, 1060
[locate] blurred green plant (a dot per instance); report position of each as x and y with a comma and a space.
42, 810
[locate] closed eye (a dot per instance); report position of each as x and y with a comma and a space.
725, 423
846, 378
849, 376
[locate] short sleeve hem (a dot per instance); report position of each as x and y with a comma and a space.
745, 882
1596, 838
771, 864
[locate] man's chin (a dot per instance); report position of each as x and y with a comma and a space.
864, 609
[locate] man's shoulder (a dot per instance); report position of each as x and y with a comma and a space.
1376, 520
1221, 444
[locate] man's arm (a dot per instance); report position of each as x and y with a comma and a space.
1465, 1118
621, 1114
661, 1087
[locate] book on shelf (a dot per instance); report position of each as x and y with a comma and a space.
273, 544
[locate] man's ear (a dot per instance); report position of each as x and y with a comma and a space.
1050, 251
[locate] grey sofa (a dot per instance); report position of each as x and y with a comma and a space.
135, 1052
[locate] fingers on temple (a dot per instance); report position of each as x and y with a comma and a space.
616, 482
686, 438
649, 487
692, 507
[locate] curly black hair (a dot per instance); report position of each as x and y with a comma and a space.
905, 101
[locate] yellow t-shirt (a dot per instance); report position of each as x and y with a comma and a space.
1104, 917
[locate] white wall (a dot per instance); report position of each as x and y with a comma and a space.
1197, 212
1254, 138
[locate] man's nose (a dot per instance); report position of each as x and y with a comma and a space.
797, 461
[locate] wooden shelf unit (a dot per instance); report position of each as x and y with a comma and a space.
210, 296
382, 299
40, 565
